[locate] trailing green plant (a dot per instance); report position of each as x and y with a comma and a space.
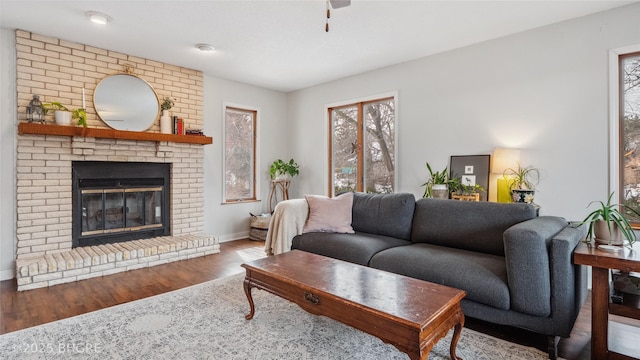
78, 114
54, 105
525, 178
167, 103
610, 213
279, 167
435, 177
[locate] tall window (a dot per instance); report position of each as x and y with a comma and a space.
630, 135
362, 147
239, 154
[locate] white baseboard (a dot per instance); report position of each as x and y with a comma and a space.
231, 237
6, 274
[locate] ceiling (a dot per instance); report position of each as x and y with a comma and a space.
282, 45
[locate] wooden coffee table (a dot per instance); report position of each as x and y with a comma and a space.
408, 313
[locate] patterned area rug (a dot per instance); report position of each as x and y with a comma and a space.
207, 321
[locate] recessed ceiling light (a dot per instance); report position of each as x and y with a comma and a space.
98, 18
205, 47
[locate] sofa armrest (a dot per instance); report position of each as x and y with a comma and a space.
568, 280
527, 257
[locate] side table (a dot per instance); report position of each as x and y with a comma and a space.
601, 262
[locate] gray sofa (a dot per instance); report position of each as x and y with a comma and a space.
515, 266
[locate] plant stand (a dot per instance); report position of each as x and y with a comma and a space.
281, 186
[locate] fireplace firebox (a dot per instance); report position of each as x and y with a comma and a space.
119, 201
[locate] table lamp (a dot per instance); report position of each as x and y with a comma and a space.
502, 160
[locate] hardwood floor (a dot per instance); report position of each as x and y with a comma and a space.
19, 310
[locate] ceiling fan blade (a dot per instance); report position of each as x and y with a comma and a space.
336, 4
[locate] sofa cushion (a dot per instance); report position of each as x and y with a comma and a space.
383, 214
329, 214
482, 276
470, 225
356, 248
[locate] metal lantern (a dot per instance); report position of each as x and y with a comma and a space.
35, 111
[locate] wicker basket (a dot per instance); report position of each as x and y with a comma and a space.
259, 225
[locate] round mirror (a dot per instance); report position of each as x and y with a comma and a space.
126, 102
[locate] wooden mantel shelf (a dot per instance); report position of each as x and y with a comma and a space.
58, 130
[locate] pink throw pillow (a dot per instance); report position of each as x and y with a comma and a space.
329, 214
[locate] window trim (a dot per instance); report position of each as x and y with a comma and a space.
328, 138
615, 121
256, 153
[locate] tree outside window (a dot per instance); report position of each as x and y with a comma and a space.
630, 138
239, 154
362, 147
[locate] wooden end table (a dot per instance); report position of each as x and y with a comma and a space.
601, 262
408, 313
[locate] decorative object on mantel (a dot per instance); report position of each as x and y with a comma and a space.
197, 132
63, 115
126, 102
165, 119
609, 226
35, 111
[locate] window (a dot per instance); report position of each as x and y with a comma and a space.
362, 146
629, 114
239, 154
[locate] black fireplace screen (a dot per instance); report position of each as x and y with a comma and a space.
115, 202
112, 210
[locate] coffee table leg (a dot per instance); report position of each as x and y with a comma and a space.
457, 331
247, 291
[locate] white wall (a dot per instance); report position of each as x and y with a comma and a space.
231, 221
7, 153
544, 91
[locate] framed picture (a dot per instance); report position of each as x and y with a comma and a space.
471, 170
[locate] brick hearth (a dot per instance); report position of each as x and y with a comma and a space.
92, 261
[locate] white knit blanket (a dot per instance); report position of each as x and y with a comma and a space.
286, 222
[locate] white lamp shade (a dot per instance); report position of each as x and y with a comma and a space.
504, 159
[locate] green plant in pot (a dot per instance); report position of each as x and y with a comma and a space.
63, 115
437, 185
522, 182
280, 170
608, 225
459, 188
167, 103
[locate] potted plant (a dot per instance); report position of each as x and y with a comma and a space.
165, 119
522, 182
166, 104
437, 185
281, 170
63, 115
468, 192
608, 225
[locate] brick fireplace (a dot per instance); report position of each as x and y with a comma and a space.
60, 70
